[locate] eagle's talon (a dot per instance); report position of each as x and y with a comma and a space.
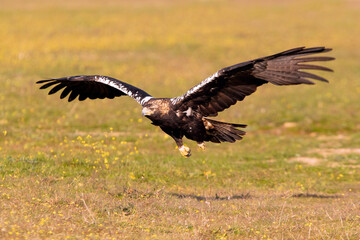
185, 151
202, 146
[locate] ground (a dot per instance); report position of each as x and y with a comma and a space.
98, 170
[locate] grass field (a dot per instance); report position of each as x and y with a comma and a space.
98, 170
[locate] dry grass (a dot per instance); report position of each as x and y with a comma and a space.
51, 212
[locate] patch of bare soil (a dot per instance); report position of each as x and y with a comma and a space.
307, 160
332, 138
290, 125
326, 152
335, 151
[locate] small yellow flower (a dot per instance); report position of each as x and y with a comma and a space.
131, 175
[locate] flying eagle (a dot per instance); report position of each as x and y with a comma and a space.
188, 115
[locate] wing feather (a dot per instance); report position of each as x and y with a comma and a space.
234, 83
313, 59
311, 75
238, 95
48, 85
82, 96
313, 67
216, 105
66, 92
93, 87
73, 95
212, 108
57, 88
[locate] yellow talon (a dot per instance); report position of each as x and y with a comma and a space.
185, 151
202, 146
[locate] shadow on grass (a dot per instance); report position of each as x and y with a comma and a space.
310, 195
216, 198
247, 196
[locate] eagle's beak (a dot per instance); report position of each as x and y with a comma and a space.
146, 112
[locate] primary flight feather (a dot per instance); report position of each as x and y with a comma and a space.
187, 115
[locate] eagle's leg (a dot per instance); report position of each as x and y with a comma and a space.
201, 145
185, 151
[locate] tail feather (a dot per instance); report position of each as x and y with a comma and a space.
223, 132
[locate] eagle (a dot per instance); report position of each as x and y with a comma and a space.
189, 115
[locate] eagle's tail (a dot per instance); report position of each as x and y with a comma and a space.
222, 132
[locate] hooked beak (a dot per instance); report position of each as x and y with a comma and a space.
146, 112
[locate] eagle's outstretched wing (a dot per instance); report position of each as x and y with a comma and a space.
234, 83
93, 86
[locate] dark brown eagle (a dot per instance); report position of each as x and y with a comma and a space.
188, 115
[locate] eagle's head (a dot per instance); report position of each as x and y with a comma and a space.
148, 111
156, 109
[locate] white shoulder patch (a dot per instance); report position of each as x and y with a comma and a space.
145, 100
188, 112
122, 88
195, 89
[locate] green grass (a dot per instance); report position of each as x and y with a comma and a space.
97, 170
